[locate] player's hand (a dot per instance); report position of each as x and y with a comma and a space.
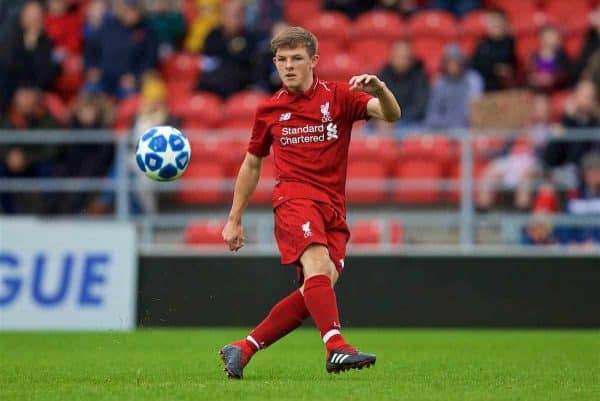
366, 83
233, 235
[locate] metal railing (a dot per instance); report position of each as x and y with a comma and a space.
465, 220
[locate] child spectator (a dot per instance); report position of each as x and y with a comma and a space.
63, 24
451, 96
494, 56
548, 67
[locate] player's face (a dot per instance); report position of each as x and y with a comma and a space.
295, 67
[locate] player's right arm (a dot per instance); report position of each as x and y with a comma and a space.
245, 184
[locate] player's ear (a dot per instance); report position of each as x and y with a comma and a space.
314, 60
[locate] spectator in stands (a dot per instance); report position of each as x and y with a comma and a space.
90, 112
95, 17
63, 24
228, 56
456, 7
153, 111
266, 77
113, 69
541, 231
451, 95
352, 8
166, 21
406, 8
407, 80
548, 67
9, 15
26, 55
590, 46
262, 15
494, 56
587, 200
520, 164
207, 18
27, 112
580, 112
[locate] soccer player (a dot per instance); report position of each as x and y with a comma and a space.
307, 123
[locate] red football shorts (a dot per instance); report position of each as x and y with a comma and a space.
301, 222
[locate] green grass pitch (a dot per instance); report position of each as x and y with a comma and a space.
425, 365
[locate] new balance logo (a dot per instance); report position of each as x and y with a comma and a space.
306, 229
332, 132
339, 358
285, 116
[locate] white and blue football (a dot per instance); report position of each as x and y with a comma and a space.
163, 153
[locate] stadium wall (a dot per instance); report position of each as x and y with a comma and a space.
387, 291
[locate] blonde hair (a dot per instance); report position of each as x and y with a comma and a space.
293, 37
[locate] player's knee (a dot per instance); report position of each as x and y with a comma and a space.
316, 261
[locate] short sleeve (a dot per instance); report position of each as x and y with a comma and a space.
261, 140
355, 102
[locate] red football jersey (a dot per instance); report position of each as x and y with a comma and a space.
310, 134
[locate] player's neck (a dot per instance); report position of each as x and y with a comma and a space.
304, 87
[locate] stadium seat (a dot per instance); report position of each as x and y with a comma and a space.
365, 232
242, 105
56, 107
396, 232
298, 12
557, 104
366, 182
572, 15
126, 111
428, 147
202, 108
422, 173
211, 191
526, 45
204, 232
528, 24
264, 191
372, 53
338, 67
472, 27
181, 72
374, 148
430, 51
573, 44
514, 8
332, 25
380, 25
329, 46
434, 23
71, 78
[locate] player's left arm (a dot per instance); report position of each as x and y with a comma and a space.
384, 105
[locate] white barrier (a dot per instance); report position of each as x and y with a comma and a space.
67, 275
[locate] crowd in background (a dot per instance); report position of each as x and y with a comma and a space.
123, 45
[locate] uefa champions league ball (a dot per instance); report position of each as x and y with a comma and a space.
163, 153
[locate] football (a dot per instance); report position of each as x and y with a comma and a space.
163, 153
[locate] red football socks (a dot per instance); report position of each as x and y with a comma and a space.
320, 300
285, 316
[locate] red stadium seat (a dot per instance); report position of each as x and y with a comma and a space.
366, 182
572, 15
212, 191
526, 45
430, 51
373, 148
202, 108
181, 72
204, 232
437, 24
338, 67
428, 147
372, 53
573, 44
557, 104
298, 12
380, 25
420, 172
242, 105
365, 232
529, 24
514, 8
264, 191
56, 107
332, 25
328, 46
71, 78
126, 111
472, 27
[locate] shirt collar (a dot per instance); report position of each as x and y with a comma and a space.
309, 93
